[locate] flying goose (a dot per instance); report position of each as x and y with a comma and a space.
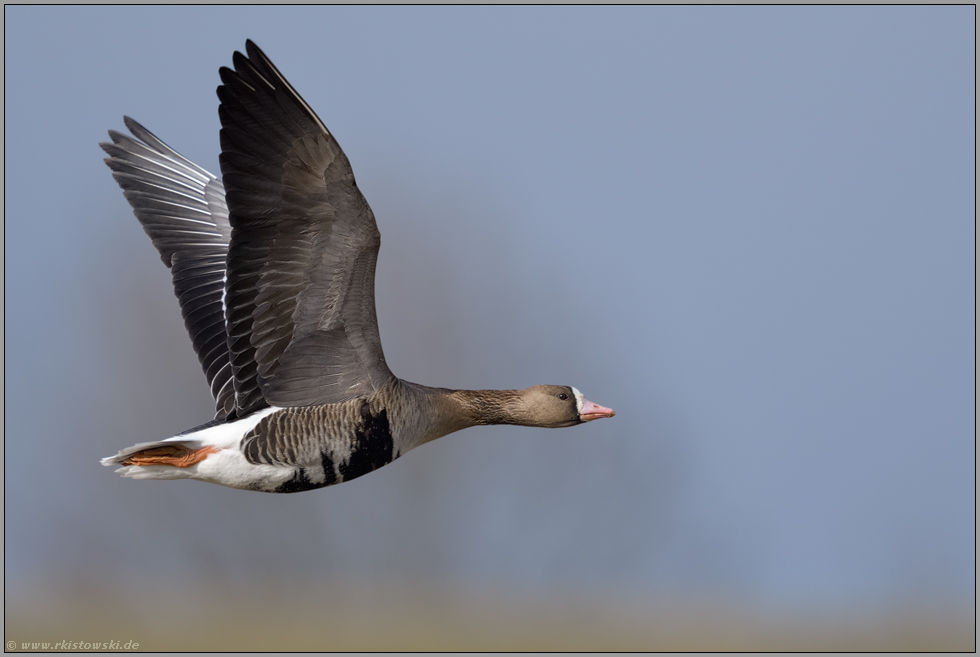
273, 267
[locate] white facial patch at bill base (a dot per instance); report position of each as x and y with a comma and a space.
579, 400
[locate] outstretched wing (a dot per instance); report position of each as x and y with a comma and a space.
302, 327
182, 209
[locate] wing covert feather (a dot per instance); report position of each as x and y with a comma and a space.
302, 326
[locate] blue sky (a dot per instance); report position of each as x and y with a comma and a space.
748, 230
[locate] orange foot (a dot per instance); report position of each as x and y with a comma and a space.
176, 455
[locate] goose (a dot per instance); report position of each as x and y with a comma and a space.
273, 268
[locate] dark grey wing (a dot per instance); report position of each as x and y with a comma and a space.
301, 321
182, 209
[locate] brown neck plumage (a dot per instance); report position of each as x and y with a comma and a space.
492, 406
440, 411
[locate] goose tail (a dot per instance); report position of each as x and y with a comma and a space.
163, 459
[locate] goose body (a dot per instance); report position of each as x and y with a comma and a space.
273, 267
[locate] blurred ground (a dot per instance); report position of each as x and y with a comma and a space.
399, 617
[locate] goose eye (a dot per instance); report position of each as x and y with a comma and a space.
563, 396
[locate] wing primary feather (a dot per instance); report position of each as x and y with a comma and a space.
181, 208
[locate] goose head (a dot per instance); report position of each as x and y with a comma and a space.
557, 406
